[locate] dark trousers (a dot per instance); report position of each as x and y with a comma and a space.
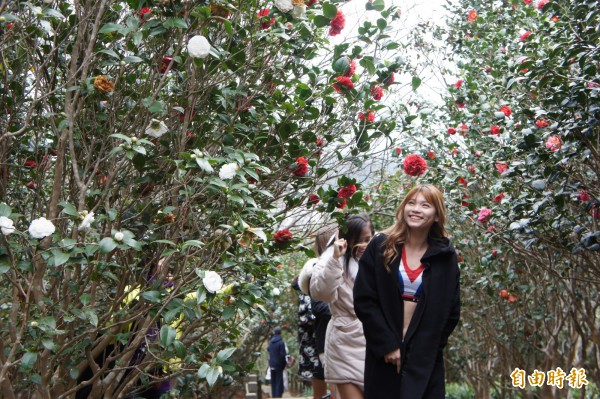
276, 383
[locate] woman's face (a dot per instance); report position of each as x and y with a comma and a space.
419, 214
363, 241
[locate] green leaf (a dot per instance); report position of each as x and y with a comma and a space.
48, 344
91, 316
107, 244
60, 257
212, 376
320, 21
180, 349
68, 209
132, 59
203, 370
329, 10
378, 5
28, 360
381, 24
192, 243
109, 28
5, 210
4, 265
416, 82
151, 296
167, 335
225, 354
175, 23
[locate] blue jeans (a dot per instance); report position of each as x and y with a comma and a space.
276, 383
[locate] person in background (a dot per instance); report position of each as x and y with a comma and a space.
332, 281
407, 295
277, 362
319, 315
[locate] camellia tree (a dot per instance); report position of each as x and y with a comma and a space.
150, 154
515, 148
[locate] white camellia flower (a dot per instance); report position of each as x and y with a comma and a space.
228, 170
41, 227
6, 225
86, 223
156, 128
284, 5
299, 11
276, 291
119, 236
212, 281
499, 115
198, 47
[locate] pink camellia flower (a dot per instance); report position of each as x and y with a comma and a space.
30, 164
472, 17
351, 69
368, 116
343, 83
461, 180
501, 167
314, 199
265, 22
584, 196
498, 197
541, 4
414, 165
524, 36
528, 2
484, 215
283, 236
553, 143
458, 84
301, 167
347, 192
477, 154
377, 92
541, 123
337, 24
451, 130
495, 130
505, 109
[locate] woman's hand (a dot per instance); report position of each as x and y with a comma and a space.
393, 358
339, 247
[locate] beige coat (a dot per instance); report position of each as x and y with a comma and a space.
345, 342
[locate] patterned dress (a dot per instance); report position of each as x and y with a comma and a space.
309, 365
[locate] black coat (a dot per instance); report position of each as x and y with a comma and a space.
380, 307
277, 353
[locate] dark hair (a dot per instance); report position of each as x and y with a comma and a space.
277, 331
355, 224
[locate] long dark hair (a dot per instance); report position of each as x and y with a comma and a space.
355, 224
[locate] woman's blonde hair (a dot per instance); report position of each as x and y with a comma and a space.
398, 233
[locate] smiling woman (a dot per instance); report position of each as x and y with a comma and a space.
407, 296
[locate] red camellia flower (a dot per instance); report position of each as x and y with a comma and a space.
541, 4
265, 23
342, 204
398, 151
414, 165
30, 163
495, 130
471, 169
527, 1
461, 180
377, 92
314, 199
524, 36
347, 192
388, 80
143, 13
484, 215
301, 168
368, 116
595, 212
498, 197
501, 167
310, 2
488, 70
584, 196
553, 143
31, 185
283, 236
351, 69
451, 130
477, 154
165, 64
458, 84
505, 109
430, 154
460, 105
337, 24
464, 129
472, 16
541, 123
320, 142
345, 83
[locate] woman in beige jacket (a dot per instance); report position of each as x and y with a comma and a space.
332, 281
